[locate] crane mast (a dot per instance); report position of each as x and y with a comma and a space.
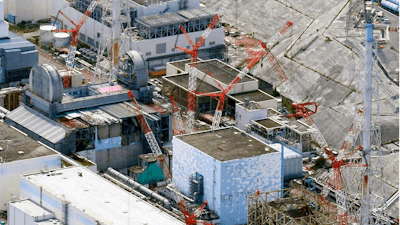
192, 71
149, 135
74, 37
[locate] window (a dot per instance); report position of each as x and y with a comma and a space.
82, 37
212, 43
98, 34
161, 48
197, 39
65, 27
173, 49
90, 41
148, 53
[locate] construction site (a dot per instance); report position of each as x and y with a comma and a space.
199, 112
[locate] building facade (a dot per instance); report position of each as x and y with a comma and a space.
231, 164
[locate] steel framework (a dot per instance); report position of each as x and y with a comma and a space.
193, 65
291, 206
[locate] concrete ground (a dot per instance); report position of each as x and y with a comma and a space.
318, 60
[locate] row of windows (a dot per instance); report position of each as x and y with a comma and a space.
162, 48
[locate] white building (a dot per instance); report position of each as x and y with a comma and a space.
78, 196
17, 11
232, 165
157, 28
23, 155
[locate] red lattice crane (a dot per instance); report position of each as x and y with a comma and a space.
193, 65
190, 219
302, 111
335, 181
221, 96
176, 116
254, 57
148, 133
74, 33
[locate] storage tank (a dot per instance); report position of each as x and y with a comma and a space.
390, 6
396, 2
61, 39
46, 36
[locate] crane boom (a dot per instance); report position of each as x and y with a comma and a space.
192, 71
177, 116
149, 135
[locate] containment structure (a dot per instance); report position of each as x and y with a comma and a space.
291, 206
227, 164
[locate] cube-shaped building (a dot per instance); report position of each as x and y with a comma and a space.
230, 164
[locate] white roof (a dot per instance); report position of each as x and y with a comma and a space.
31, 208
287, 152
100, 198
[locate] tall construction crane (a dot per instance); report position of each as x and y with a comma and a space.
221, 96
74, 37
254, 58
193, 65
148, 133
177, 116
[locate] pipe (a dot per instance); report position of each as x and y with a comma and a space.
119, 183
135, 185
4, 110
182, 195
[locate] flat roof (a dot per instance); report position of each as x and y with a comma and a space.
100, 198
31, 208
268, 123
287, 152
20, 142
298, 126
221, 71
14, 41
256, 96
227, 144
183, 80
181, 64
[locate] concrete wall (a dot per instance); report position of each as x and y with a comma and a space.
17, 216
10, 174
54, 204
27, 9
116, 157
244, 116
149, 45
226, 184
186, 161
157, 8
92, 27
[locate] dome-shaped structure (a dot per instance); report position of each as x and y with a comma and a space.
46, 82
133, 70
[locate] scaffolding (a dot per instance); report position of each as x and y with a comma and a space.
290, 206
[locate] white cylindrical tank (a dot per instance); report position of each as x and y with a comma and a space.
61, 39
46, 36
